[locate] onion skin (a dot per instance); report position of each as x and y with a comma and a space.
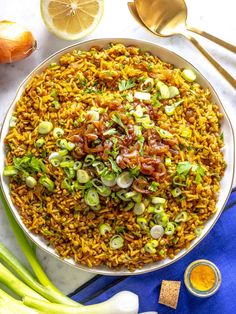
16, 42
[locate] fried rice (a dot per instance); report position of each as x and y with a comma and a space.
114, 157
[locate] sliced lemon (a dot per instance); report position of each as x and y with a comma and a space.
71, 19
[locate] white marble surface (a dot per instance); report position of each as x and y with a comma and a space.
216, 17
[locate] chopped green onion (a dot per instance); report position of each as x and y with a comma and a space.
66, 184
102, 189
10, 171
173, 91
96, 208
142, 96
147, 85
12, 122
104, 228
148, 247
170, 228
63, 153
164, 133
183, 216
158, 200
40, 142
109, 179
55, 162
155, 102
116, 242
47, 183
153, 186
176, 192
70, 172
198, 231
45, 127
77, 165
130, 194
57, 133
164, 90
67, 164
56, 104
62, 143
138, 113
82, 176
93, 115
157, 232
161, 219
189, 75
121, 195
139, 208
89, 159
179, 180
169, 110
100, 167
154, 243
137, 198
53, 93
91, 197
53, 64
30, 182
128, 206
186, 132
142, 222
168, 161
124, 180
70, 146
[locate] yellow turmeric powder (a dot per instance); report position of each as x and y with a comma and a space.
202, 277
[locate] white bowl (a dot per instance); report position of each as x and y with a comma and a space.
229, 151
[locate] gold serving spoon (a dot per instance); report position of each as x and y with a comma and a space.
166, 18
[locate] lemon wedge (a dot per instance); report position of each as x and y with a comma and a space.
71, 19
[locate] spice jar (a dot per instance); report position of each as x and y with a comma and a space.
202, 278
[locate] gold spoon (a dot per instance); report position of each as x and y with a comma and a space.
166, 18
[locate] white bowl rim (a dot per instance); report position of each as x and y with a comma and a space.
105, 270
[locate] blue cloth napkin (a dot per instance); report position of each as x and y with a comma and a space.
219, 246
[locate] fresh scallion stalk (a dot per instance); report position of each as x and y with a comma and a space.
29, 254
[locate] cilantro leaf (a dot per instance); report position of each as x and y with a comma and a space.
183, 167
124, 85
117, 119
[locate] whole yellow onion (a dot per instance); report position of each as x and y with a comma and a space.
16, 42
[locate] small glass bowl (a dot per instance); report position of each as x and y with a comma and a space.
192, 289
